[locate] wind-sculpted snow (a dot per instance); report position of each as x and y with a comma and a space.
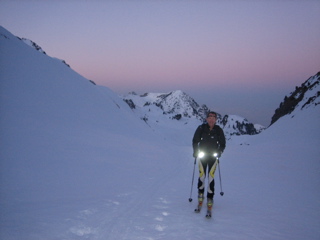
77, 163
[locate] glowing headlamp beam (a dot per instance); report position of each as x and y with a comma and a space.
202, 154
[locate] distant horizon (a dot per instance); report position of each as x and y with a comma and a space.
278, 98
237, 57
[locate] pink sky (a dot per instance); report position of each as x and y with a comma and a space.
237, 57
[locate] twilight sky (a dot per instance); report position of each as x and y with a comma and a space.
237, 57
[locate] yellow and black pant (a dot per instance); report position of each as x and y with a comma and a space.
207, 164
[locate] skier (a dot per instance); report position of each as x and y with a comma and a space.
208, 144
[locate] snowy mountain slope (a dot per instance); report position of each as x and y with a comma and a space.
236, 125
37, 47
177, 104
47, 112
175, 111
308, 94
278, 177
33, 44
76, 163
158, 108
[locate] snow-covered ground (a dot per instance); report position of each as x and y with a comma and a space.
76, 163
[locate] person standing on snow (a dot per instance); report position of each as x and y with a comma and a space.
208, 144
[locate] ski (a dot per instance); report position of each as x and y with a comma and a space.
200, 201
208, 215
198, 209
209, 209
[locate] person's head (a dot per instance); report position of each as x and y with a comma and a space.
211, 118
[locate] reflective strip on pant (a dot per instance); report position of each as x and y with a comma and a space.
211, 177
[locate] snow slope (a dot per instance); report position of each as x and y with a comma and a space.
76, 163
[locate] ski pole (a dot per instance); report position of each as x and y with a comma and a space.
221, 193
194, 167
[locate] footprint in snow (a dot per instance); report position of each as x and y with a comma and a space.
164, 201
160, 219
160, 228
165, 213
82, 231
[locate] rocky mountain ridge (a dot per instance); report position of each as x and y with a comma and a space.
38, 48
302, 97
179, 106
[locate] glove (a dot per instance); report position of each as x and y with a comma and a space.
195, 154
195, 151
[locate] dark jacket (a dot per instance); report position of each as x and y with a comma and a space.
209, 141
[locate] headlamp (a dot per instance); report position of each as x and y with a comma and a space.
202, 154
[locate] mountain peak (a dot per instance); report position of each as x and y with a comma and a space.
177, 105
302, 97
174, 104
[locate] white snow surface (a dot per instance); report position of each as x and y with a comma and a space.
76, 163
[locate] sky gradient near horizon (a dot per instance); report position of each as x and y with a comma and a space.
237, 57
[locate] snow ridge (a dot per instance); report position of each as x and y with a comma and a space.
305, 96
33, 44
38, 48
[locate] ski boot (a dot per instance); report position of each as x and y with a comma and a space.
200, 201
209, 207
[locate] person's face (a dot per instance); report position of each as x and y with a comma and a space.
211, 119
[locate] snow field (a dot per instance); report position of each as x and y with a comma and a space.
77, 163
